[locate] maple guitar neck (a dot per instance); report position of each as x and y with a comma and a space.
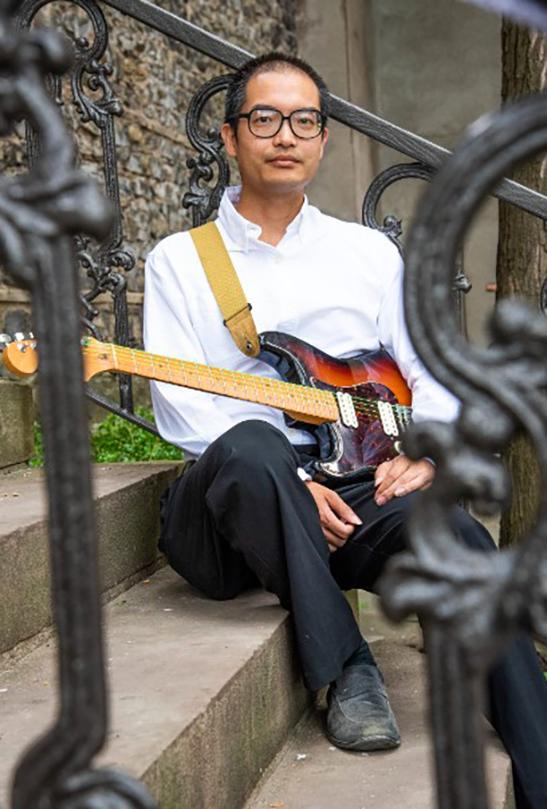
311, 405
365, 404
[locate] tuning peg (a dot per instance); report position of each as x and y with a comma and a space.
5, 339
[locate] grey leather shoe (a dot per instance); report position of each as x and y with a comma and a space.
359, 716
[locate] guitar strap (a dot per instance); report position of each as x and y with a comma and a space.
226, 287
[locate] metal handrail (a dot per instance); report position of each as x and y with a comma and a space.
357, 118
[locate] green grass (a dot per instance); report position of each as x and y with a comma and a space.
116, 440
37, 458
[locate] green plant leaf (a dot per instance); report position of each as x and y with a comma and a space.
116, 440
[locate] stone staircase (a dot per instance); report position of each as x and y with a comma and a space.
204, 695
127, 523
309, 773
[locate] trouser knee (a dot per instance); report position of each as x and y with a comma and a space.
468, 530
254, 470
254, 449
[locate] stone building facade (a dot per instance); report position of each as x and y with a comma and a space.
151, 79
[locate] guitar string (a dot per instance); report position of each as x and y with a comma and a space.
305, 394
157, 362
196, 369
317, 395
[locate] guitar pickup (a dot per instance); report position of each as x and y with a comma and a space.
387, 417
348, 416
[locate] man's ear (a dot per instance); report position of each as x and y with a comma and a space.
229, 139
324, 140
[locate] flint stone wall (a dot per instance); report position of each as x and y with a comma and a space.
154, 80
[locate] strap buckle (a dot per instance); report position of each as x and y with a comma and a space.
239, 312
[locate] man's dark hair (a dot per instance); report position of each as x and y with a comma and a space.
269, 62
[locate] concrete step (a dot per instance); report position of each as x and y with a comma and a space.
126, 497
203, 693
309, 773
16, 417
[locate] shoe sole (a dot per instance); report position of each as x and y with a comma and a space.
368, 745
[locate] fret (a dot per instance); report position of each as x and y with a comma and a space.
263, 390
314, 405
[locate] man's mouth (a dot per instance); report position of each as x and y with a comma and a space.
284, 160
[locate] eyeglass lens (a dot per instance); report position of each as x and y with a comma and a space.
267, 122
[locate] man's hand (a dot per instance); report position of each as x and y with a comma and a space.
337, 518
401, 476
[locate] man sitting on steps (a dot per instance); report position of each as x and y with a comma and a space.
248, 512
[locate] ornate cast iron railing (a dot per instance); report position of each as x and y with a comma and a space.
107, 261
472, 605
40, 212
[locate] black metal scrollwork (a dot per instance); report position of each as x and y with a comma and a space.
203, 201
392, 226
471, 604
104, 261
39, 214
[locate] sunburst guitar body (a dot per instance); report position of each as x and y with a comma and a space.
368, 387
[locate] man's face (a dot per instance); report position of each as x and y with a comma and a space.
283, 163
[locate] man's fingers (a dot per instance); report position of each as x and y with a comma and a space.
334, 542
337, 519
341, 509
331, 521
418, 476
403, 485
406, 485
388, 472
381, 472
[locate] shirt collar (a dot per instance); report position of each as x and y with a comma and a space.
242, 234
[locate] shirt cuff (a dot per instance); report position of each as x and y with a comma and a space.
303, 475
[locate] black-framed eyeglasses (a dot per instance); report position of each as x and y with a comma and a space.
266, 122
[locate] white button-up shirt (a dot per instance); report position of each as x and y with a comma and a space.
334, 284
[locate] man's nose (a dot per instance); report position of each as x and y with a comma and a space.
285, 136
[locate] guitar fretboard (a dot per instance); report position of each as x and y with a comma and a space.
306, 403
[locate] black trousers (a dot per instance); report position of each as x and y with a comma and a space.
240, 517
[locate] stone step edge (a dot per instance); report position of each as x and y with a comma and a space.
226, 751
218, 740
17, 653
127, 519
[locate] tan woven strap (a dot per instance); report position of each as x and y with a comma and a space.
228, 292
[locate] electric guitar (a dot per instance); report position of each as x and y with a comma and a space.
356, 408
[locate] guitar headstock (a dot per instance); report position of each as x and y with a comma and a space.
21, 357
19, 353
